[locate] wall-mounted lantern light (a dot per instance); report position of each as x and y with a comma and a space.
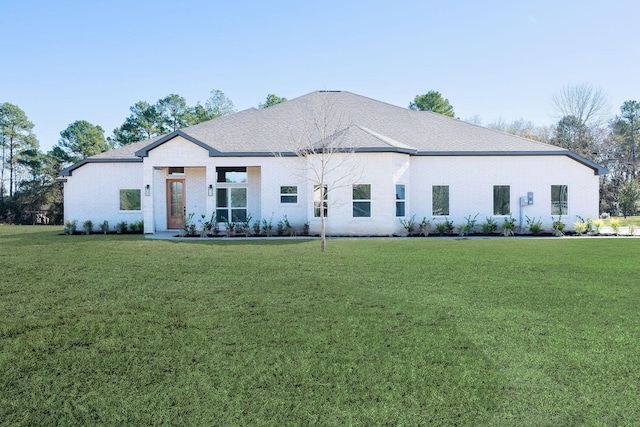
211, 189
147, 190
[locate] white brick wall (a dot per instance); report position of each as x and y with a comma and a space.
471, 181
93, 193
93, 190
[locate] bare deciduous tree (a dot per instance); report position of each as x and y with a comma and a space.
585, 102
321, 143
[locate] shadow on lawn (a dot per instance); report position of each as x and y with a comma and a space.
243, 242
41, 235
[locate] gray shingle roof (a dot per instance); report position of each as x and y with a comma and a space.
365, 123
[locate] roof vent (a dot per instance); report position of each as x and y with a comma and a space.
330, 91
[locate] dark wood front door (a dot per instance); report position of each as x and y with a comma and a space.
176, 203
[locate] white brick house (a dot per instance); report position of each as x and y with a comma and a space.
395, 163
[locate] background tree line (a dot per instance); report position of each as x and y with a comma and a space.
28, 187
585, 127
28, 184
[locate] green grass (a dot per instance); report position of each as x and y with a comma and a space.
624, 222
113, 330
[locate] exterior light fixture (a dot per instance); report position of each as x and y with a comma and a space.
147, 190
211, 189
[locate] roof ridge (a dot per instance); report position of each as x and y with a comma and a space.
385, 139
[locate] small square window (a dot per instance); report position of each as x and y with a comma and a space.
130, 200
288, 194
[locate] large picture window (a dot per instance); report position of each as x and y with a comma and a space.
320, 200
559, 200
501, 200
440, 200
361, 200
288, 194
130, 200
400, 200
231, 204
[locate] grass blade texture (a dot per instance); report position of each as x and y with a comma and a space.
106, 330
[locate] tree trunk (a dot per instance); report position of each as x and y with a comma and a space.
11, 167
323, 238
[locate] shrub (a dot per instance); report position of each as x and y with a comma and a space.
137, 227
87, 226
535, 225
408, 224
207, 226
267, 227
508, 226
189, 225
104, 227
121, 227
445, 227
70, 227
558, 226
305, 229
229, 227
489, 226
425, 227
244, 227
580, 227
615, 224
288, 228
468, 227
597, 224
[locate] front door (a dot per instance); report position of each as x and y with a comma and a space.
176, 203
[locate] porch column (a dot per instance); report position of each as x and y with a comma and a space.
210, 184
148, 192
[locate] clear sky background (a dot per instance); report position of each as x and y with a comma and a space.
63, 61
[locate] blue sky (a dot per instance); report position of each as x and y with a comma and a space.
91, 60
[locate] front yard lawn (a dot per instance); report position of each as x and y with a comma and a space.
122, 330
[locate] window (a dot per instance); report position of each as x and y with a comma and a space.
440, 200
288, 194
231, 204
361, 200
559, 200
236, 175
501, 200
130, 200
320, 200
400, 200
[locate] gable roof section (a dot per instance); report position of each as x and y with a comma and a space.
144, 151
367, 125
